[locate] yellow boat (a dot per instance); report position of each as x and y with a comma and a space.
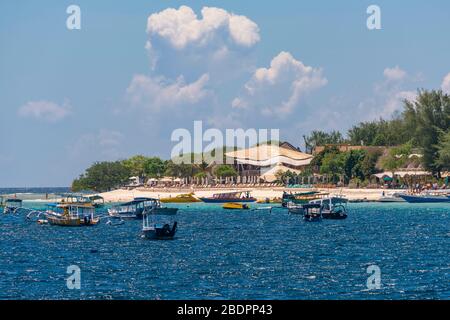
181, 198
235, 206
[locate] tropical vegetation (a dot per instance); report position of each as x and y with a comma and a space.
423, 127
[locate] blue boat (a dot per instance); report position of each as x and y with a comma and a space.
425, 198
240, 196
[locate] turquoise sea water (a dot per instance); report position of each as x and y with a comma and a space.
220, 254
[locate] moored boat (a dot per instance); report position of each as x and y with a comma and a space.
426, 198
300, 197
156, 227
12, 205
181, 198
239, 196
134, 209
236, 206
334, 207
394, 197
71, 215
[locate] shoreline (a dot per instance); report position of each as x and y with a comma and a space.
354, 195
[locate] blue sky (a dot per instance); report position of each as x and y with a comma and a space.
72, 97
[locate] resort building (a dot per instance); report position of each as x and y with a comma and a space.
265, 160
348, 147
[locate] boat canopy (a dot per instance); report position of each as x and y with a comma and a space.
230, 195
137, 201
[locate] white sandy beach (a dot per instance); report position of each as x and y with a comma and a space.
259, 193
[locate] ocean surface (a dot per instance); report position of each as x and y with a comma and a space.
33, 193
220, 254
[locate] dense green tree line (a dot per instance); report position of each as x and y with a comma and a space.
105, 176
423, 124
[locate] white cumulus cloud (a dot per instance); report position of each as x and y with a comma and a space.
181, 27
45, 110
155, 93
446, 84
394, 74
279, 88
216, 42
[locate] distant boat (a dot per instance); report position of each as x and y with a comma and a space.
71, 215
79, 198
11, 205
425, 198
236, 206
181, 198
240, 196
97, 201
394, 197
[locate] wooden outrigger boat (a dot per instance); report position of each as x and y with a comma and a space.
239, 196
235, 206
71, 215
181, 198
